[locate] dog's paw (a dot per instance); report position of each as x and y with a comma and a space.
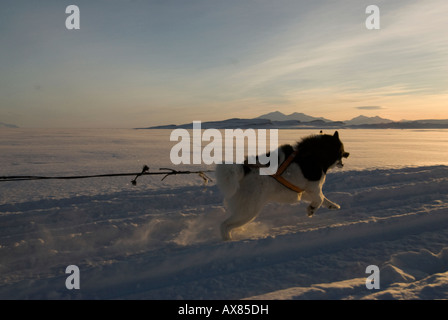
310, 211
334, 206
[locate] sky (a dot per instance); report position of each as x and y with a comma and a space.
136, 63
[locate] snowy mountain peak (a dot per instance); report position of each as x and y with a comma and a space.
367, 120
298, 116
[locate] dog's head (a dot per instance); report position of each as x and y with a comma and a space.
341, 153
317, 154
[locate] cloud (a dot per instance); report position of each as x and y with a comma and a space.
369, 107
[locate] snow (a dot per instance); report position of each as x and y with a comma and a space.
160, 240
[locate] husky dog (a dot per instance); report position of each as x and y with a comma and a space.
301, 173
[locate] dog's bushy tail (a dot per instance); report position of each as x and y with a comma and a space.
228, 178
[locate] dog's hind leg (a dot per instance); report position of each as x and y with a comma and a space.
241, 215
233, 222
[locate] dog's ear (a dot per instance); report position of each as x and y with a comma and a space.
336, 134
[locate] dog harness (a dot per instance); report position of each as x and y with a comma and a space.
278, 175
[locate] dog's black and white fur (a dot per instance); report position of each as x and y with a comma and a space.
246, 191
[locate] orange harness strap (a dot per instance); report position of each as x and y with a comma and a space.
277, 176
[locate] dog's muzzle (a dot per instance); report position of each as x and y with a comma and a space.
339, 164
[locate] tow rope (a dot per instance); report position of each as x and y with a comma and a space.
145, 171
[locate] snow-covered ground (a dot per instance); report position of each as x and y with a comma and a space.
160, 240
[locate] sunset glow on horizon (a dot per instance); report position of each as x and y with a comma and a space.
143, 63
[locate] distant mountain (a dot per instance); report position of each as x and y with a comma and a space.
223, 124
361, 120
401, 125
278, 120
7, 125
279, 116
429, 121
256, 123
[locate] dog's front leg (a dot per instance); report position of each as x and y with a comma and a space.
312, 209
315, 204
330, 204
316, 199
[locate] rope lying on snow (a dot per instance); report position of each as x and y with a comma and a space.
145, 171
